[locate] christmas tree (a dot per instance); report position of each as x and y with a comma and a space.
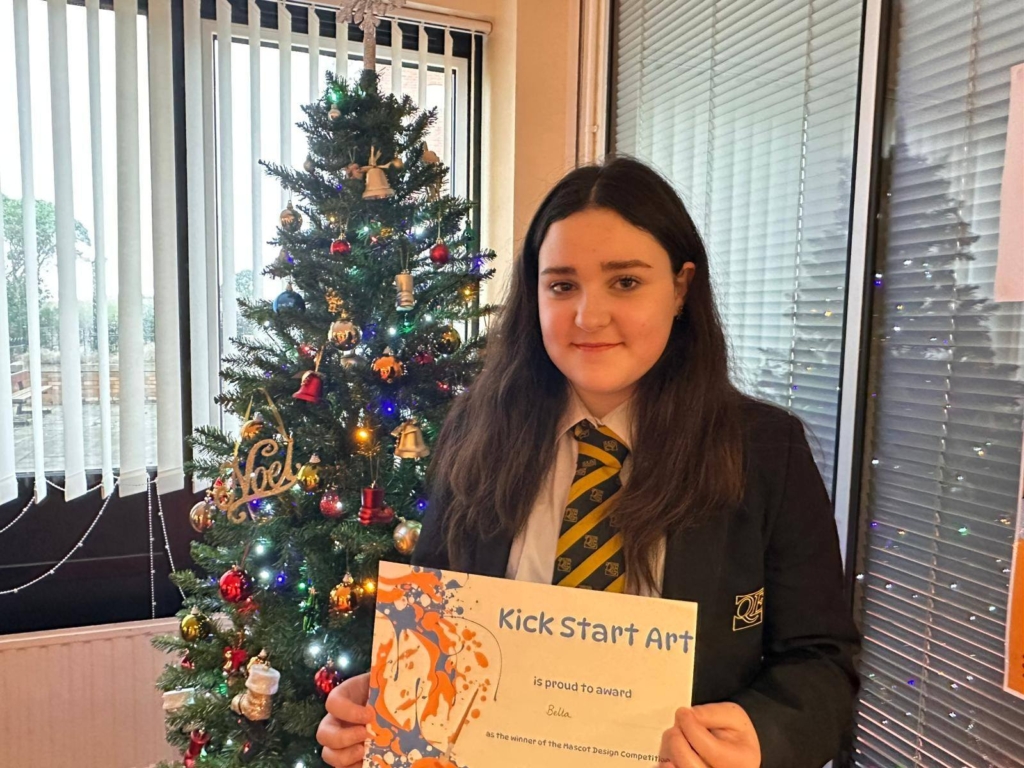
340, 394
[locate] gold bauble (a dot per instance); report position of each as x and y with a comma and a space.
406, 534
449, 342
291, 219
388, 366
194, 626
386, 231
342, 599
397, 163
201, 515
308, 477
251, 428
344, 334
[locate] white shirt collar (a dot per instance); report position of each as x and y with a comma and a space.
618, 421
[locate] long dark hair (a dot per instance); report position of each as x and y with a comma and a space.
498, 440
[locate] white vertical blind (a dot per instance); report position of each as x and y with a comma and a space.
212, 238
284, 26
944, 431
396, 59
99, 240
421, 98
70, 354
226, 199
169, 453
749, 109
314, 55
341, 50
133, 477
28, 227
196, 181
8, 479
447, 113
255, 147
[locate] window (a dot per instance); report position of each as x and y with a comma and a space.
945, 384
242, 125
749, 110
77, 377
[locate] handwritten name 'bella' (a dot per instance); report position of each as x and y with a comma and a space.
570, 627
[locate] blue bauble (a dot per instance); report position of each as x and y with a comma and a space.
289, 299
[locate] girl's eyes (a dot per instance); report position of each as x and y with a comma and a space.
625, 283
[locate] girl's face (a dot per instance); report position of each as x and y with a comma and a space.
607, 297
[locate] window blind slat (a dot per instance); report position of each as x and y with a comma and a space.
284, 25
396, 59
8, 478
169, 454
255, 148
133, 477
197, 230
226, 154
64, 215
421, 98
99, 240
448, 156
314, 54
28, 228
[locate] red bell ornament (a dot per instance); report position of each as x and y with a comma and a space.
312, 387
373, 511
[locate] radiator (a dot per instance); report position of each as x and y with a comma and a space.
83, 698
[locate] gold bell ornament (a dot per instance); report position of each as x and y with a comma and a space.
262, 684
309, 474
411, 444
405, 301
377, 186
406, 534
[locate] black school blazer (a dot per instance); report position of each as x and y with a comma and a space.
775, 630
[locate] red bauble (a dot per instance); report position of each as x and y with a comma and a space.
341, 247
331, 504
327, 678
235, 585
423, 357
440, 254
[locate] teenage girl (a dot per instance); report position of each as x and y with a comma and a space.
611, 338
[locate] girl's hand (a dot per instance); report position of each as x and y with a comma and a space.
343, 730
711, 736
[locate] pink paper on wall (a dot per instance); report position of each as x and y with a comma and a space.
1010, 265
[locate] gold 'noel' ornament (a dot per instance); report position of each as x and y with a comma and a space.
257, 481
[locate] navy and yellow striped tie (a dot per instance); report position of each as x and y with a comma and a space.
589, 553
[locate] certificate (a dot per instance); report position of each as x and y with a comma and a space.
476, 672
